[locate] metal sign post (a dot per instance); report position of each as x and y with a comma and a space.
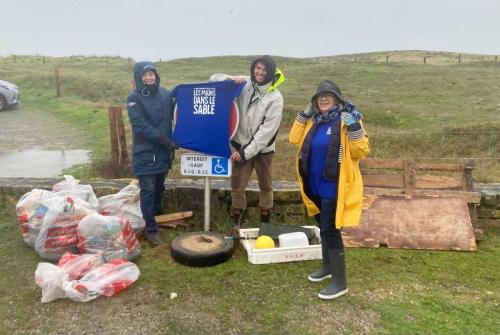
206, 205
199, 165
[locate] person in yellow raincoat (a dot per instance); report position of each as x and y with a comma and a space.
331, 141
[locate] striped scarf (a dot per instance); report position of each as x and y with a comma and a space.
347, 106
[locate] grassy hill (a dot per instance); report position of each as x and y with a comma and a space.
442, 111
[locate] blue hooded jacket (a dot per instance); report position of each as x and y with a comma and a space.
150, 110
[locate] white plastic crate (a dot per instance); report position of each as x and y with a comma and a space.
279, 255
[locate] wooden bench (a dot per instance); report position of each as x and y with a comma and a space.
398, 176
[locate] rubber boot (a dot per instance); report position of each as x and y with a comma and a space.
338, 285
154, 239
324, 271
265, 215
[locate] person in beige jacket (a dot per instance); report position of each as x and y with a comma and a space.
260, 106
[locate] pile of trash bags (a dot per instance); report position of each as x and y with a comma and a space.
69, 220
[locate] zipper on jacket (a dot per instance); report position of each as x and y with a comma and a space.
252, 100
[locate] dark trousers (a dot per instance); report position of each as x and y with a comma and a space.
152, 187
330, 236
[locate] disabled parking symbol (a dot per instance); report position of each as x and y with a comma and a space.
219, 166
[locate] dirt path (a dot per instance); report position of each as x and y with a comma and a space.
38, 144
27, 128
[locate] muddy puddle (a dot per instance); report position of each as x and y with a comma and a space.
39, 163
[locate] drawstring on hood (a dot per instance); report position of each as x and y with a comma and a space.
139, 69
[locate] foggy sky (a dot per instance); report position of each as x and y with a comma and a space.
169, 29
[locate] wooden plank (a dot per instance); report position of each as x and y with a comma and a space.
383, 180
379, 163
471, 197
172, 224
439, 167
173, 217
439, 182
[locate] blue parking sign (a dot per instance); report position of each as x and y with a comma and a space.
220, 166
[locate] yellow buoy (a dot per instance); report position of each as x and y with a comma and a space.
264, 242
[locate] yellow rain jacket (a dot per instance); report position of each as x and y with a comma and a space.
350, 184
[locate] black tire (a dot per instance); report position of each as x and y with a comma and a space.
196, 249
3, 103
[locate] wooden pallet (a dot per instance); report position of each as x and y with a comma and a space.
415, 205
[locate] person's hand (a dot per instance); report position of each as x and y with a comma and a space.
235, 156
348, 118
239, 79
309, 111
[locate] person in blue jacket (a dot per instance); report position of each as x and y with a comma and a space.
150, 110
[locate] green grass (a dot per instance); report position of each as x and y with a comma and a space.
442, 111
390, 292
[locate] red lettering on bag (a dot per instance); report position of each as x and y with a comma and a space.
22, 218
60, 231
25, 229
60, 242
128, 236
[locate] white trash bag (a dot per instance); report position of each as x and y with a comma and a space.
50, 278
107, 280
71, 187
125, 203
109, 236
84, 277
76, 266
58, 233
30, 213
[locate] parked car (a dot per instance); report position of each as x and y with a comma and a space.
9, 95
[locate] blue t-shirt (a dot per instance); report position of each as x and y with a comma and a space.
203, 116
319, 186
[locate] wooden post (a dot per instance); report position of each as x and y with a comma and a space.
58, 82
354, 59
425, 59
469, 166
459, 58
387, 59
122, 138
496, 57
115, 154
409, 177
